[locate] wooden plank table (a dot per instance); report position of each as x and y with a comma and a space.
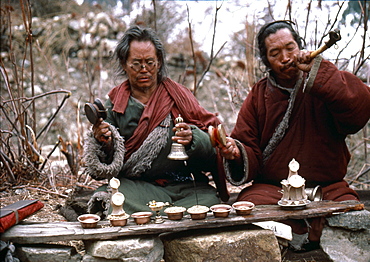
32, 233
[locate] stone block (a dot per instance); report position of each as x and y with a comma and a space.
232, 244
131, 249
345, 245
47, 253
88, 258
347, 237
354, 220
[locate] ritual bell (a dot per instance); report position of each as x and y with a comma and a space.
178, 150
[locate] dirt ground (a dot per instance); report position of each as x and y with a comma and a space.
48, 213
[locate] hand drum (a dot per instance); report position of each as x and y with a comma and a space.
217, 135
95, 111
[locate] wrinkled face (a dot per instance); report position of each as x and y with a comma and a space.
281, 49
142, 66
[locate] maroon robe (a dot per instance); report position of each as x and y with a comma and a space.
337, 104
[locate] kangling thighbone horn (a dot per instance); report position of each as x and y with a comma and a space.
334, 37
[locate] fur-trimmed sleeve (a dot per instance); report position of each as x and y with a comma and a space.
235, 174
93, 155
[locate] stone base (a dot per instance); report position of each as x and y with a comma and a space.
47, 253
347, 237
130, 249
241, 243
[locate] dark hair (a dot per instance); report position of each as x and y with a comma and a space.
272, 28
122, 50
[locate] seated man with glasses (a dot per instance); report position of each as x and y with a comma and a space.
134, 141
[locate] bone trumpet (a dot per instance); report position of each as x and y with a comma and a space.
334, 36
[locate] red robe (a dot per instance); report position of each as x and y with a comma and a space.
337, 104
169, 97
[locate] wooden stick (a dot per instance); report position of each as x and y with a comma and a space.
46, 191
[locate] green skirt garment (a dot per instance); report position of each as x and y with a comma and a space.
138, 194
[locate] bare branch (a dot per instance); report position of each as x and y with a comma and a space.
51, 119
364, 17
192, 52
212, 46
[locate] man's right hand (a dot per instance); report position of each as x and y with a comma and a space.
102, 132
231, 150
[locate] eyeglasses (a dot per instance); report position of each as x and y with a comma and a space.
149, 65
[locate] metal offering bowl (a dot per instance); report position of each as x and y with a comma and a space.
118, 221
221, 210
141, 218
243, 208
175, 213
198, 212
88, 220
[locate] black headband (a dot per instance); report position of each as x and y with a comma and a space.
263, 28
